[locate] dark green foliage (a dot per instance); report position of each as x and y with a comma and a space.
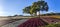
27, 9
53, 25
36, 7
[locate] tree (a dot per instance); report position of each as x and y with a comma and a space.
33, 8
27, 10
39, 6
36, 7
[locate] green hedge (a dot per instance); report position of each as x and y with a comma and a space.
53, 25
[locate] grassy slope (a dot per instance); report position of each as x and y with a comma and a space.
54, 16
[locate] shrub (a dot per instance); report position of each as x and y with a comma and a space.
53, 25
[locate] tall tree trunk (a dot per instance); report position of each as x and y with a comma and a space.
39, 14
36, 14
31, 14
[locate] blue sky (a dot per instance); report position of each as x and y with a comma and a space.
12, 7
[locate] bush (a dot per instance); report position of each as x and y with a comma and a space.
53, 25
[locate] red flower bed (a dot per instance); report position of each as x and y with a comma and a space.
33, 22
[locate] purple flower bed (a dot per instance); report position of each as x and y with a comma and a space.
33, 22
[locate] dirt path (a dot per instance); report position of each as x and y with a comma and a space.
16, 23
